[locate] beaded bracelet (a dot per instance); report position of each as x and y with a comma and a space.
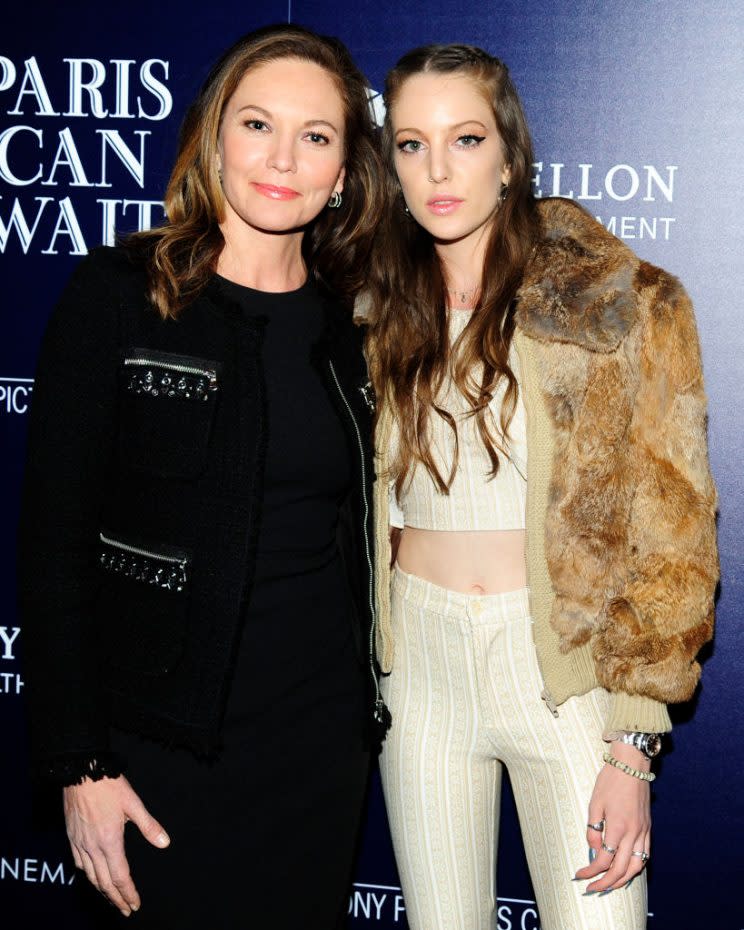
628, 769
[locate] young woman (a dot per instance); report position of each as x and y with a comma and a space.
197, 520
542, 427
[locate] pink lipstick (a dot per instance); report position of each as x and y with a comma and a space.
443, 204
276, 193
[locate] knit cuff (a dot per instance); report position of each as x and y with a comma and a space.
635, 713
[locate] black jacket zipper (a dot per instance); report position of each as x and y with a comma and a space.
380, 713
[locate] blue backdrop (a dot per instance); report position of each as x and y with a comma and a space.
634, 113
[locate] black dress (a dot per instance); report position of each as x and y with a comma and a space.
263, 835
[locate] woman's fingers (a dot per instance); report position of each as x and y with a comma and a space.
637, 859
76, 856
616, 864
121, 878
97, 870
605, 856
148, 826
96, 813
86, 864
595, 825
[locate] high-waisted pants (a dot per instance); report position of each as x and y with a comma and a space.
465, 698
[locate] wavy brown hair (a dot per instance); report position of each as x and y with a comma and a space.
408, 340
181, 256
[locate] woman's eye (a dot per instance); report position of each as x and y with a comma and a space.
409, 145
469, 141
257, 124
318, 138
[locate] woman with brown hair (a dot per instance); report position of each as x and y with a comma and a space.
196, 533
541, 424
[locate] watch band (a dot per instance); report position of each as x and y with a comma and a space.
647, 743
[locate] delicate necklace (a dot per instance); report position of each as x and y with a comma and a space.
464, 296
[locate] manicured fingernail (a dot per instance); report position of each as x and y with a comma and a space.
603, 893
577, 879
135, 907
629, 882
588, 894
592, 854
162, 839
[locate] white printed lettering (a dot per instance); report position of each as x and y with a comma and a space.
17, 221
33, 83
78, 85
67, 225
67, 154
111, 138
156, 88
8, 634
6, 173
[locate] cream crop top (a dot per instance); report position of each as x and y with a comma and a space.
473, 502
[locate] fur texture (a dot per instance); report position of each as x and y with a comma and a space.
630, 531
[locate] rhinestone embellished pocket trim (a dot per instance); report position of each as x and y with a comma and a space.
157, 374
167, 567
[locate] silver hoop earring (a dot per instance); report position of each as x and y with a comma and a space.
335, 200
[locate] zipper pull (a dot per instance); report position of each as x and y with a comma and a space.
549, 702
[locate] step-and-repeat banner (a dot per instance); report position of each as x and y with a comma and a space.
636, 114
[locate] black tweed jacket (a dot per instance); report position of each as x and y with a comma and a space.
141, 503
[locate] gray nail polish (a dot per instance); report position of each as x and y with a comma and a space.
592, 854
603, 893
588, 894
629, 882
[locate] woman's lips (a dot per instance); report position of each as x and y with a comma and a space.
443, 204
276, 193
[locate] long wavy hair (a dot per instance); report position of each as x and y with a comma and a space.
408, 341
181, 256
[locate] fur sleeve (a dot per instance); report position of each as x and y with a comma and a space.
650, 634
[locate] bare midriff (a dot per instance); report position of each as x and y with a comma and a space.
472, 562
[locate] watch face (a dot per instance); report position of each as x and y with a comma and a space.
653, 745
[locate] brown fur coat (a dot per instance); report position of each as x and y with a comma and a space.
630, 528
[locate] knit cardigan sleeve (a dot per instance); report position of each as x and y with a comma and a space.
653, 629
71, 438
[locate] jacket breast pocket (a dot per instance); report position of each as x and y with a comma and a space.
143, 603
168, 405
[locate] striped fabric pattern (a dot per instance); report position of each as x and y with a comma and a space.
464, 694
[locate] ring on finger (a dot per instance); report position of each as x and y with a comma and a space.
641, 854
599, 826
609, 849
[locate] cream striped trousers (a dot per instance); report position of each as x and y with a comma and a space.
465, 698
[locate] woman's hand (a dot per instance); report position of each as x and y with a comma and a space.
623, 802
95, 814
